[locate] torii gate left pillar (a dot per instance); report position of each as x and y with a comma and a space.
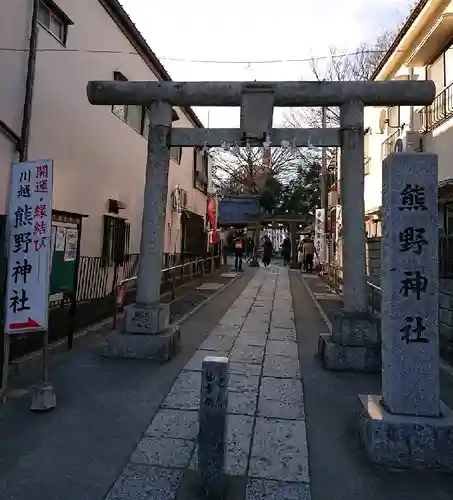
149, 334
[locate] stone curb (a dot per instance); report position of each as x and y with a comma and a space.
443, 365
101, 327
321, 312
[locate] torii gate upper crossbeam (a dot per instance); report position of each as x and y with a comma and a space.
370, 93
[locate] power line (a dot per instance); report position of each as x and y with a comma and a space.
274, 61
207, 61
87, 51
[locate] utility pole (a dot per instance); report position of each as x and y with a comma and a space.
324, 187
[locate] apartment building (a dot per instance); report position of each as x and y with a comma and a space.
423, 49
50, 50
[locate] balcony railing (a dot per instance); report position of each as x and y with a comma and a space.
439, 111
388, 146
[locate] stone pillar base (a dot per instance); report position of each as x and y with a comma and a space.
356, 329
144, 333
355, 343
406, 442
337, 356
44, 398
146, 320
159, 347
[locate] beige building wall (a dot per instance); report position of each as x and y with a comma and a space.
96, 155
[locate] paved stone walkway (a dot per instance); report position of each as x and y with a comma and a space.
266, 436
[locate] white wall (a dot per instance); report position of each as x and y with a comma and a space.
14, 29
373, 181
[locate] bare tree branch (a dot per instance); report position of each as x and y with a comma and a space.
340, 67
246, 169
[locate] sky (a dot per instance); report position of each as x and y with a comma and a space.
181, 32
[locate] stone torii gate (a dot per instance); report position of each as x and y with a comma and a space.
146, 332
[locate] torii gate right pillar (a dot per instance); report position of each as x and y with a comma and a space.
355, 339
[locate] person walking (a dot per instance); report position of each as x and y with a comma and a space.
300, 254
286, 251
249, 247
267, 251
309, 254
239, 245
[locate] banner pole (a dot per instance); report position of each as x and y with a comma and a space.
5, 369
44, 397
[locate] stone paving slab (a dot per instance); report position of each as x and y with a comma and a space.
252, 338
266, 437
239, 440
281, 398
283, 334
248, 369
210, 286
281, 366
282, 348
258, 489
140, 482
164, 452
279, 451
174, 424
226, 330
242, 394
220, 342
247, 353
185, 393
196, 361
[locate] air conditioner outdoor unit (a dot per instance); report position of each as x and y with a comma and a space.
408, 141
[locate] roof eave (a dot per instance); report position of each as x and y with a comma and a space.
399, 37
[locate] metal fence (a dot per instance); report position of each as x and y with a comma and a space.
96, 280
335, 280
171, 279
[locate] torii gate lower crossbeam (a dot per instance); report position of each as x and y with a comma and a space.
257, 100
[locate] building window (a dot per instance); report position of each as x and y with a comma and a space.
115, 242
136, 116
176, 153
200, 169
53, 19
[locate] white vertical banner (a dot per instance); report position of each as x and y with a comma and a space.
320, 237
29, 247
339, 236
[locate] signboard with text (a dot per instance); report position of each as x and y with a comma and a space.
29, 237
320, 237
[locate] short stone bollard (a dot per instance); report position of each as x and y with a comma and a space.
409, 426
212, 426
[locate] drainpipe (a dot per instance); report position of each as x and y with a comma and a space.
29, 83
324, 191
